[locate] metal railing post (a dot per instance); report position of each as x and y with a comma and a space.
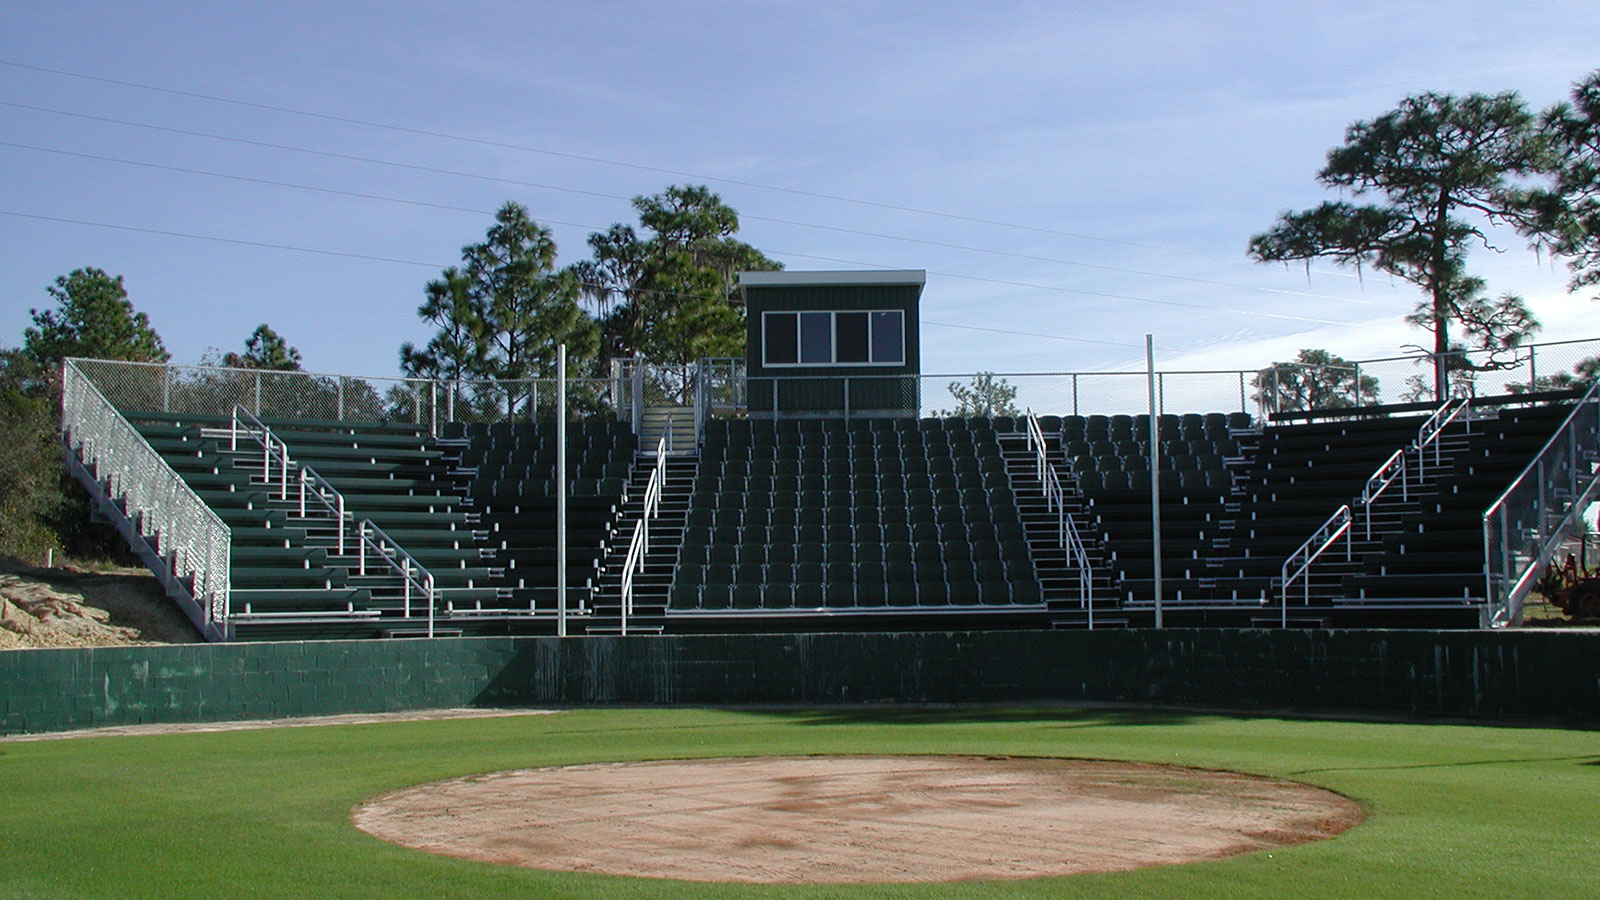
1155, 473
561, 489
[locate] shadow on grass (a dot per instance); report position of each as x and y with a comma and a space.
1075, 717
1584, 760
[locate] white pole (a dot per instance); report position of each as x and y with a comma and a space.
1155, 471
561, 490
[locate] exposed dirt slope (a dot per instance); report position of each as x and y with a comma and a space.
71, 607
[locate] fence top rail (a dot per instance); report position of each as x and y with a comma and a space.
1590, 399
273, 373
736, 361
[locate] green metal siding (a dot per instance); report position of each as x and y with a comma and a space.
1459, 673
822, 390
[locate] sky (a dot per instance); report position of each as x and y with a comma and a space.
1071, 176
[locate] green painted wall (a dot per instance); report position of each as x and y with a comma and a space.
823, 390
1481, 674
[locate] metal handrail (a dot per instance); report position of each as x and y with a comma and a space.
414, 573
1388, 472
1506, 584
268, 441
368, 535
639, 544
164, 507
1342, 518
1392, 468
326, 494
1430, 430
1056, 500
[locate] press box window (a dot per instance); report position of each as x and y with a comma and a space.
816, 338
780, 339
834, 338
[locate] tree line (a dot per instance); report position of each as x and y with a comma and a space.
1426, 181
666, 292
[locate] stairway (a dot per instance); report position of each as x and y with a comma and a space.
651, 584
1058, 577
676, 423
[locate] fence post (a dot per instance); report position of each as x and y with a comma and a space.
1155, 472
339, 412
1242, 407
1075, 394
561, 489
1533, 371
433, 408
166, 389
258, 392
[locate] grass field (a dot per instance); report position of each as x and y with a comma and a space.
1454, 811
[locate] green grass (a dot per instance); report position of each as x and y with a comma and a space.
1454, 811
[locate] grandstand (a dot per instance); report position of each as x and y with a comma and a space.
823, 505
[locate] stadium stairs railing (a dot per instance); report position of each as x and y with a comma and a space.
367, 536
192, 541
639, 544
1543, 507
1056, 501
1297, 567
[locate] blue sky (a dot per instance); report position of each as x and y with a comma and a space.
1096, 168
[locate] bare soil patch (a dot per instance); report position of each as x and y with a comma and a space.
415, 715
71, 607
855, 819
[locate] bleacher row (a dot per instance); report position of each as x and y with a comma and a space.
857, 514
1224, 549
827, 516
515, 459
475, 509
509, 471
288, 576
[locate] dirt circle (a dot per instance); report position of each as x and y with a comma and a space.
833, 819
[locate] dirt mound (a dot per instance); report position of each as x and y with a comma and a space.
855, 819
72, 607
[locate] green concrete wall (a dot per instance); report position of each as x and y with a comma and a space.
1553, 675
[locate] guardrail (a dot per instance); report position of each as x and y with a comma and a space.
315, 488
1543, 506
1324, 537
1396, 468
1393, 469
272, 447
178, 524
639, 544
1056, 501
413, 574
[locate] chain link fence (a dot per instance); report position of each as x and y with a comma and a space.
1556, 365
721, 388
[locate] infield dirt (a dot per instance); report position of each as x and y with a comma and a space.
855, 819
